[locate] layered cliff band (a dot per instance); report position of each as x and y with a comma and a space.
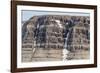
55, 37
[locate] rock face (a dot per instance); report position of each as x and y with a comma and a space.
45, 37
78, 42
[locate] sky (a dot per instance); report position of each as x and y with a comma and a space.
27, 14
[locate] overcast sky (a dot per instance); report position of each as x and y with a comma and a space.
27, 14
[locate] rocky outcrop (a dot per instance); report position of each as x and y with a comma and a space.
45, 37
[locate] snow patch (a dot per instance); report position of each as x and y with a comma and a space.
65, 51
58, 23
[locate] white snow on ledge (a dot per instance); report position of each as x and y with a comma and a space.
58, 23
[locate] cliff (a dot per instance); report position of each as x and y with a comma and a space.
45, 37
